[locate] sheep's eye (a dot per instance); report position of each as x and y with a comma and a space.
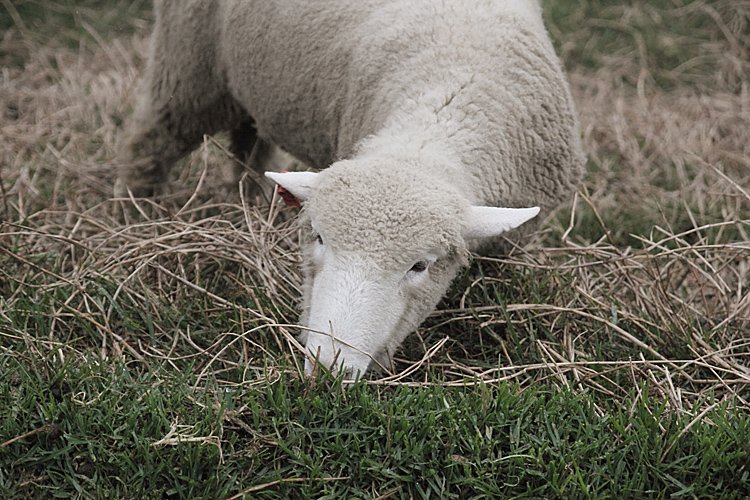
419, 267
319, 239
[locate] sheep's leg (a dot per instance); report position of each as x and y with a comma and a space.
159, 135
148, 151
182, 96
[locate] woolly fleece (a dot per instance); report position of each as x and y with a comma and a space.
421, 109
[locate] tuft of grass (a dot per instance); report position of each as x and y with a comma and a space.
147, 347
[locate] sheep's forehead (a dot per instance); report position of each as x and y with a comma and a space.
389, 213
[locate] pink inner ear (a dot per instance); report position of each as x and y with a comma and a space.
288, 197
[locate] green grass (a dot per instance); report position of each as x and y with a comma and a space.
321, 439
325, 440
147, 357
670, 40
73, 22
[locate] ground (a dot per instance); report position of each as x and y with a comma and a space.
147, 346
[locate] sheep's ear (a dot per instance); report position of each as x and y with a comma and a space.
300, 184
484, 222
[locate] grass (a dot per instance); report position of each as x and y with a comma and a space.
149, 352
118, 434
669, 43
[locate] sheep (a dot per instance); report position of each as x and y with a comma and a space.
423, 118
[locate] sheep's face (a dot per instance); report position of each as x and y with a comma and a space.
382, 246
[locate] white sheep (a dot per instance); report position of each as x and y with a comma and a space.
425, 116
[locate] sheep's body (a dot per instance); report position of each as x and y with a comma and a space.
422, 107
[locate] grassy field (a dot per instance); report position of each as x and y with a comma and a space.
147, 349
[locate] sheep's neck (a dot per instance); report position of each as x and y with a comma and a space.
426, 132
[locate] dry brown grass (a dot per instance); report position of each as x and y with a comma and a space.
675, 297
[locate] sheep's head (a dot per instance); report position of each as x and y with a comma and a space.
382, 246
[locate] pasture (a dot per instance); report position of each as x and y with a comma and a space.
147, 347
